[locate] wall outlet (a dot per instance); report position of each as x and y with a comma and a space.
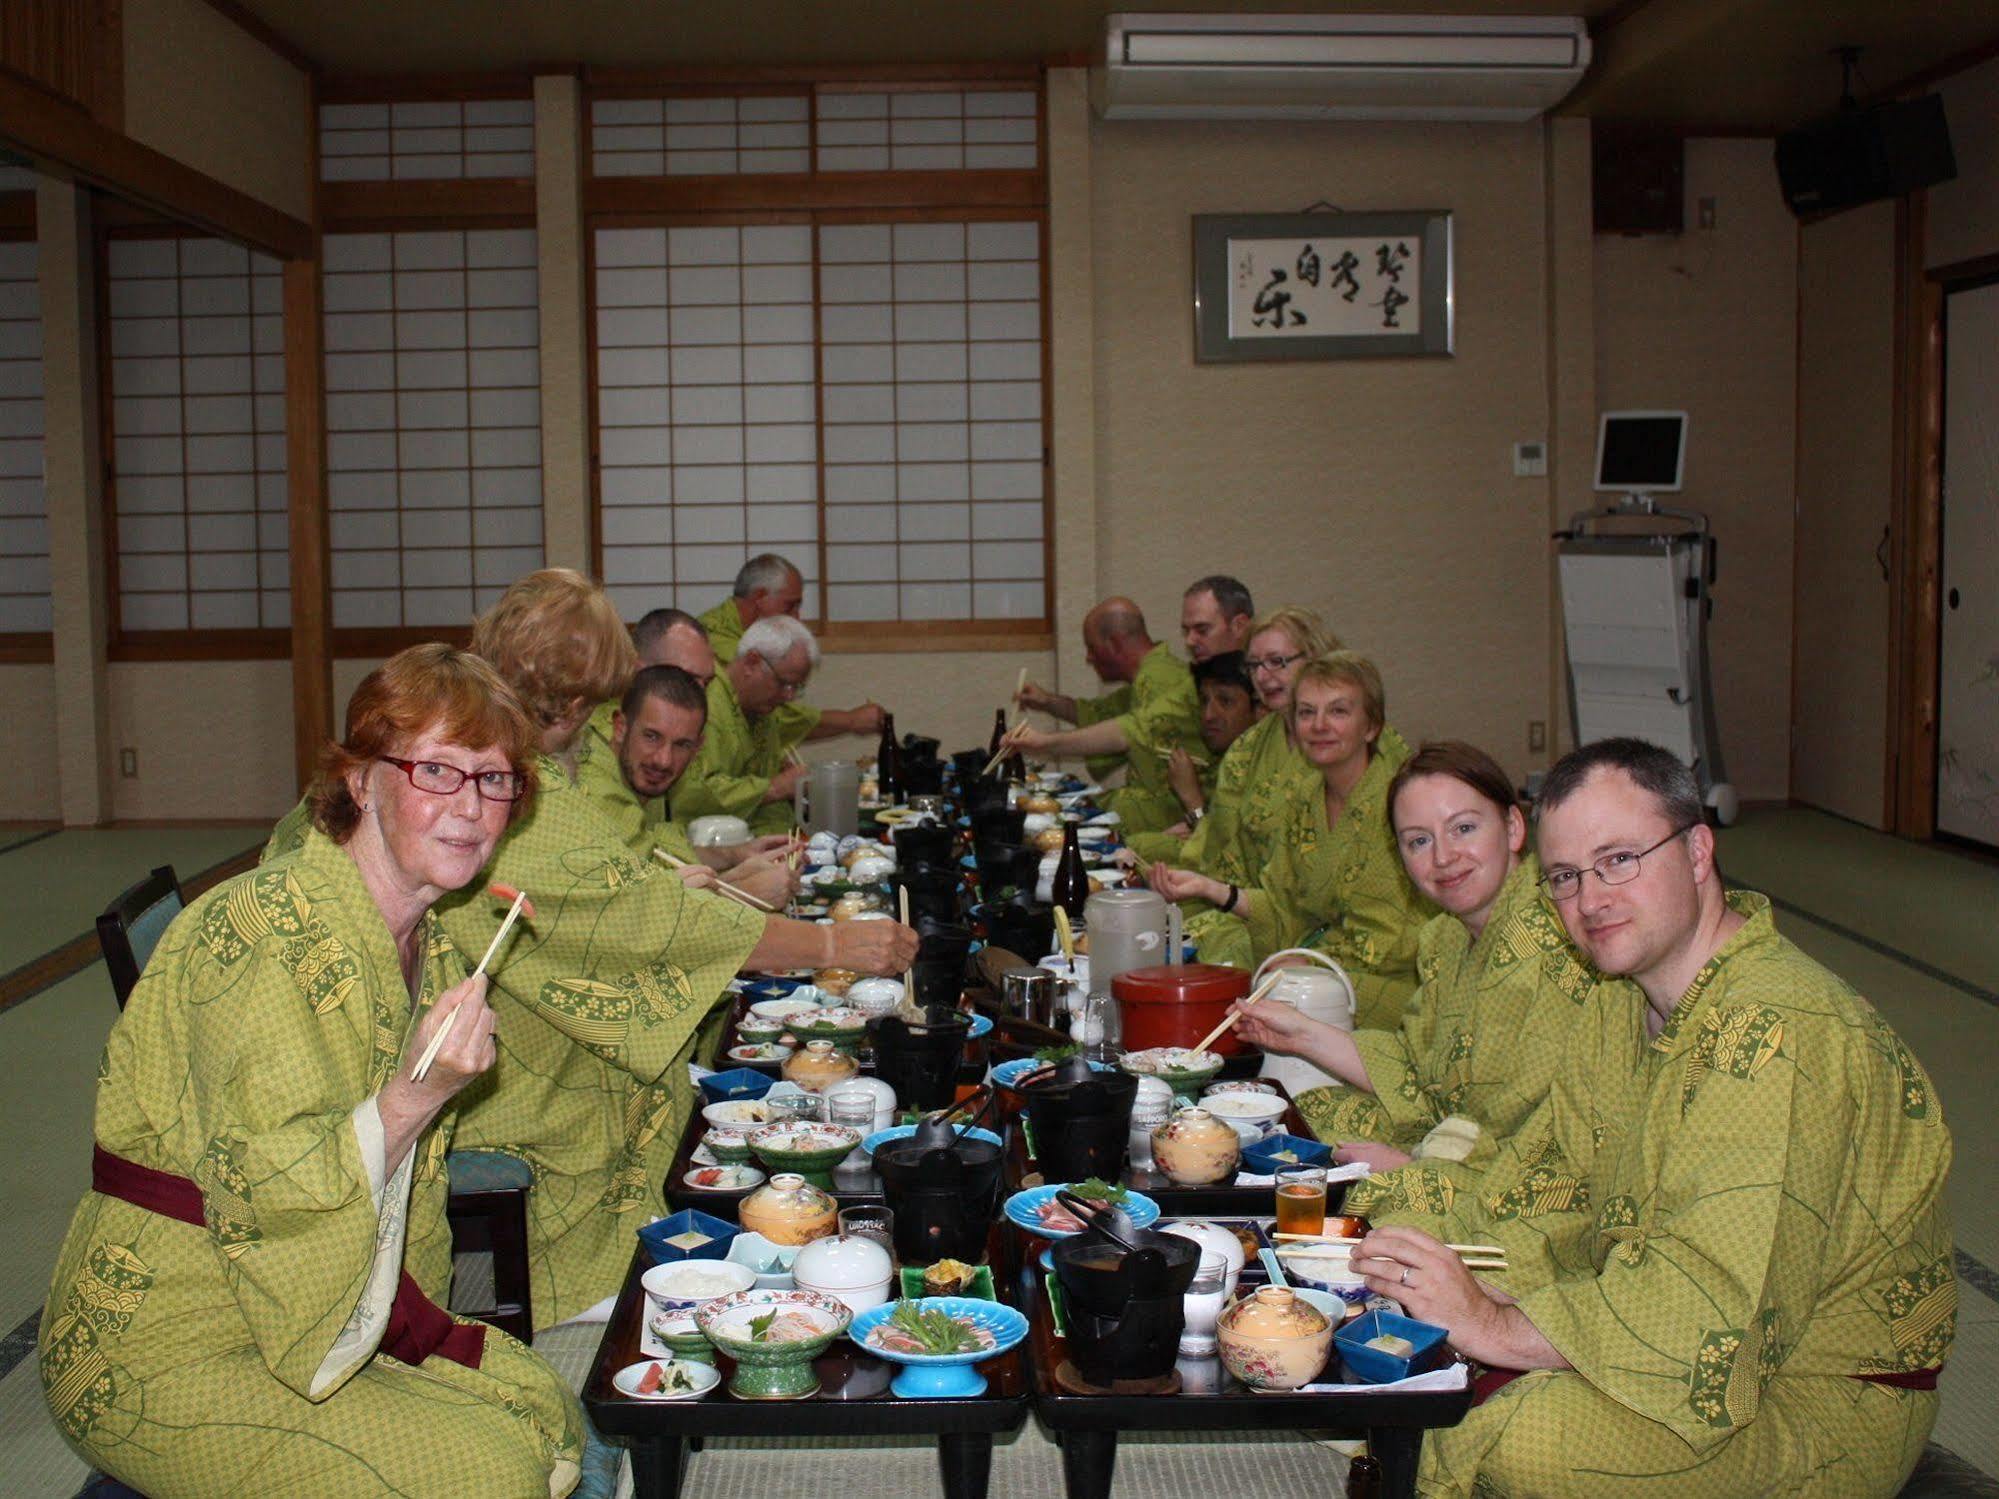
1530, 460
1537, 735
128, 764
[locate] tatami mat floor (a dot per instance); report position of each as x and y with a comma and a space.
1909, 926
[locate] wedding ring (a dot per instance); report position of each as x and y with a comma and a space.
1405, 1276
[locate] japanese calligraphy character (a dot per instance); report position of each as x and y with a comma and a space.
1308, 266
1388, 263
1273, 302
1343, 270
1393, 300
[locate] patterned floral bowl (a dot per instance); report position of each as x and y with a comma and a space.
1274, 1340
767, 1368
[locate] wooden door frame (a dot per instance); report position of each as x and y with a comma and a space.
1915, 510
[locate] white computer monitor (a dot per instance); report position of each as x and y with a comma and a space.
1641, 452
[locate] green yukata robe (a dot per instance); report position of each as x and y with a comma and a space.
1162, 713
185, 1360
597, 999
1480, 1042
738, 758
796, 720
1341, 891
1718, 1228
643, 827
1259, 784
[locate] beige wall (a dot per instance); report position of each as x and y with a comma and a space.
1846, 384
1964, 214
1379, 492
28, 743
204, 91
1706, 322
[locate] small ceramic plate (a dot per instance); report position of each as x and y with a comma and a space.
705, 1377
723, 1178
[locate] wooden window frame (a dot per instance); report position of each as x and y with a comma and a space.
23, 647
265, 643
819, 198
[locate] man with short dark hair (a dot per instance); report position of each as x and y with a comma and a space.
1138, 727
1731, 1263
664, 637
1229, 706
673, 637
1215, 616
767, 586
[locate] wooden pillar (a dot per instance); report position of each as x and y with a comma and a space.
311, 574
1071, 319
74, 469
561, 258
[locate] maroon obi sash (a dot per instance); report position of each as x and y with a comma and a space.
418, 1327
1492, 1381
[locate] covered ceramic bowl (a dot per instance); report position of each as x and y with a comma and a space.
1274, 1340
788, 1210
1216, 1243
846, 1266
1195, 1149
819, 1066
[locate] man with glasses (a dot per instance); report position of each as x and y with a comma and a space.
770, 586
747, 766
1731, 1264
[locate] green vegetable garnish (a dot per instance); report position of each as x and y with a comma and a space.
1096, 1189
760, 1326
1057, 1053
938, 1331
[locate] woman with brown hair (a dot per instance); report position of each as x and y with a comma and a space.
252, 1284
1334, 883
1477, 1047
601, 998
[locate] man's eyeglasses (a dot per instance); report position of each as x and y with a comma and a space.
1612, 869
785, 685
445, 780
1271, 663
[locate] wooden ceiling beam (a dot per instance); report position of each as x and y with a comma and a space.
62, 140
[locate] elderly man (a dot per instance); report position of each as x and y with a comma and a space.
1138, 726
1731, 1262
770, 586
656, 731
1215, 616
746, 767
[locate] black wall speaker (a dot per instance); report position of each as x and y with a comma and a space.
1860, 155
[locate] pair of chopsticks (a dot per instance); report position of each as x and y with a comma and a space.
1068, 936
723, 885
1007, 739
1229, 1020
1327, 1246
909, 1011
422, 1068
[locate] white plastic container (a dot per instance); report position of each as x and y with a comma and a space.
1323, 992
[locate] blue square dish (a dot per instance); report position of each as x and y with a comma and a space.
737, 1082
1371, 1365
718, 1235
1261, 1158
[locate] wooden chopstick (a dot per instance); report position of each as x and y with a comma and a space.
742, 895
1233, 1016
1335, 1240
422, 1068
1067, 936
1006, 747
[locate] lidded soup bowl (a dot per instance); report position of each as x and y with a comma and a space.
1274, 1340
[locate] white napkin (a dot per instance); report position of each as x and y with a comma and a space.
1353, 1171
1453, 1376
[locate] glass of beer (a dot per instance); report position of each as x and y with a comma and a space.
1301, 1200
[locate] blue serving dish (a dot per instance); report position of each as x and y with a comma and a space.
1006, 1072
719, 1235
1020, 1210
948, 1375
888, 1136
771, 988
1261, 1158
737, 1082
1371, 1365
982, 1025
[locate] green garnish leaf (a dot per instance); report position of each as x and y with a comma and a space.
1057, 1053
1096, 1189
760, 1326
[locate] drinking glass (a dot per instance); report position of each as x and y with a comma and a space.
869, 1221
789, 1106
1301, 1200
1201, 1307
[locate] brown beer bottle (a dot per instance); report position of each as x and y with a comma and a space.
888, 762
1364, 1477
1071, 885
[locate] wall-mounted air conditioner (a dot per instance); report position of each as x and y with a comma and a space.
1259, 67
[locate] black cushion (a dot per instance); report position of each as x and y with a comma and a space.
1942, 1474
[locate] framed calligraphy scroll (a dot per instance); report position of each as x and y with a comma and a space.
1321, 285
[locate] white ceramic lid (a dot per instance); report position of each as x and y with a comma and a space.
842, 1264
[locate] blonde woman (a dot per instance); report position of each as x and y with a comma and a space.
1334, 881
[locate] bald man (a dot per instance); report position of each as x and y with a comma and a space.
1153, 711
